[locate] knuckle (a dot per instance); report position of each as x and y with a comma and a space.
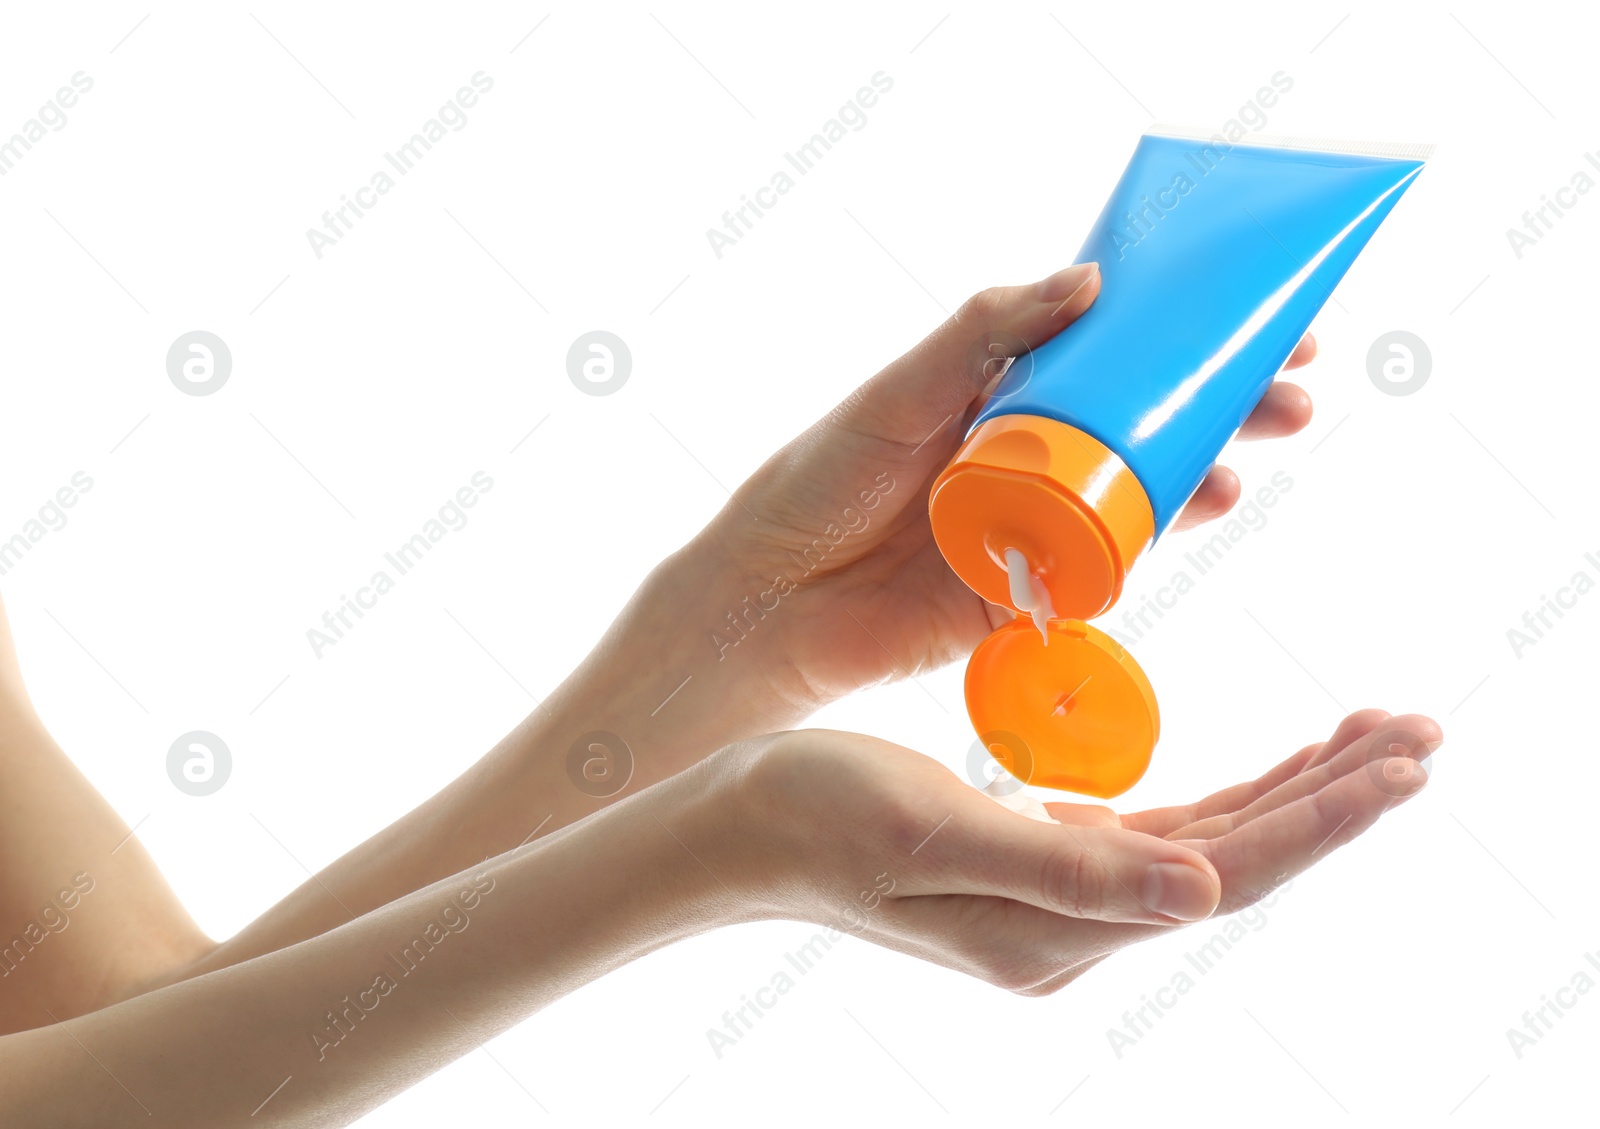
1075, 884
1326, 814
983, 308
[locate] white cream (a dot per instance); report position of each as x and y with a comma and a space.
1005, 791
1028, 592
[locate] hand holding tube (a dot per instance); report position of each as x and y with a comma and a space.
832, 533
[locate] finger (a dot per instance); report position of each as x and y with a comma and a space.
1164, 821
1265, 852
1252, 860
1217, 494
1092, 873
1284, 410
1304, 353
1410, 736
1354, 727
930, 388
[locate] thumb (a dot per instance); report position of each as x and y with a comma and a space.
1108, 874
935, 383
1095, 873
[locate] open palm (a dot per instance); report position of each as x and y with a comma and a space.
1257, 836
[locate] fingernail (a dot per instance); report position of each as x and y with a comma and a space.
1178, 890
1065, 283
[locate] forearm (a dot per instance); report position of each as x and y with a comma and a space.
359, 1013
655, 680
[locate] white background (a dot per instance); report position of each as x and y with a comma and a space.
1418, 529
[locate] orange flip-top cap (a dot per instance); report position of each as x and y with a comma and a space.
1062, 498
1076, 713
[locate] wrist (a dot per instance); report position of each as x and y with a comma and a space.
723, 846
653, 697
748, 620
654, 868
760, 809
670, 676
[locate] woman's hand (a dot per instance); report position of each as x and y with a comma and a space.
815, 826
709, 652
830, 538
877, 840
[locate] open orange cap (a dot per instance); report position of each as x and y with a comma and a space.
1076, 714
1056, 494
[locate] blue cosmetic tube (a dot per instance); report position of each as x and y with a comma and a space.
1214, 258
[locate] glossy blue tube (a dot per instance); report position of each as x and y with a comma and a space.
1214, 259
